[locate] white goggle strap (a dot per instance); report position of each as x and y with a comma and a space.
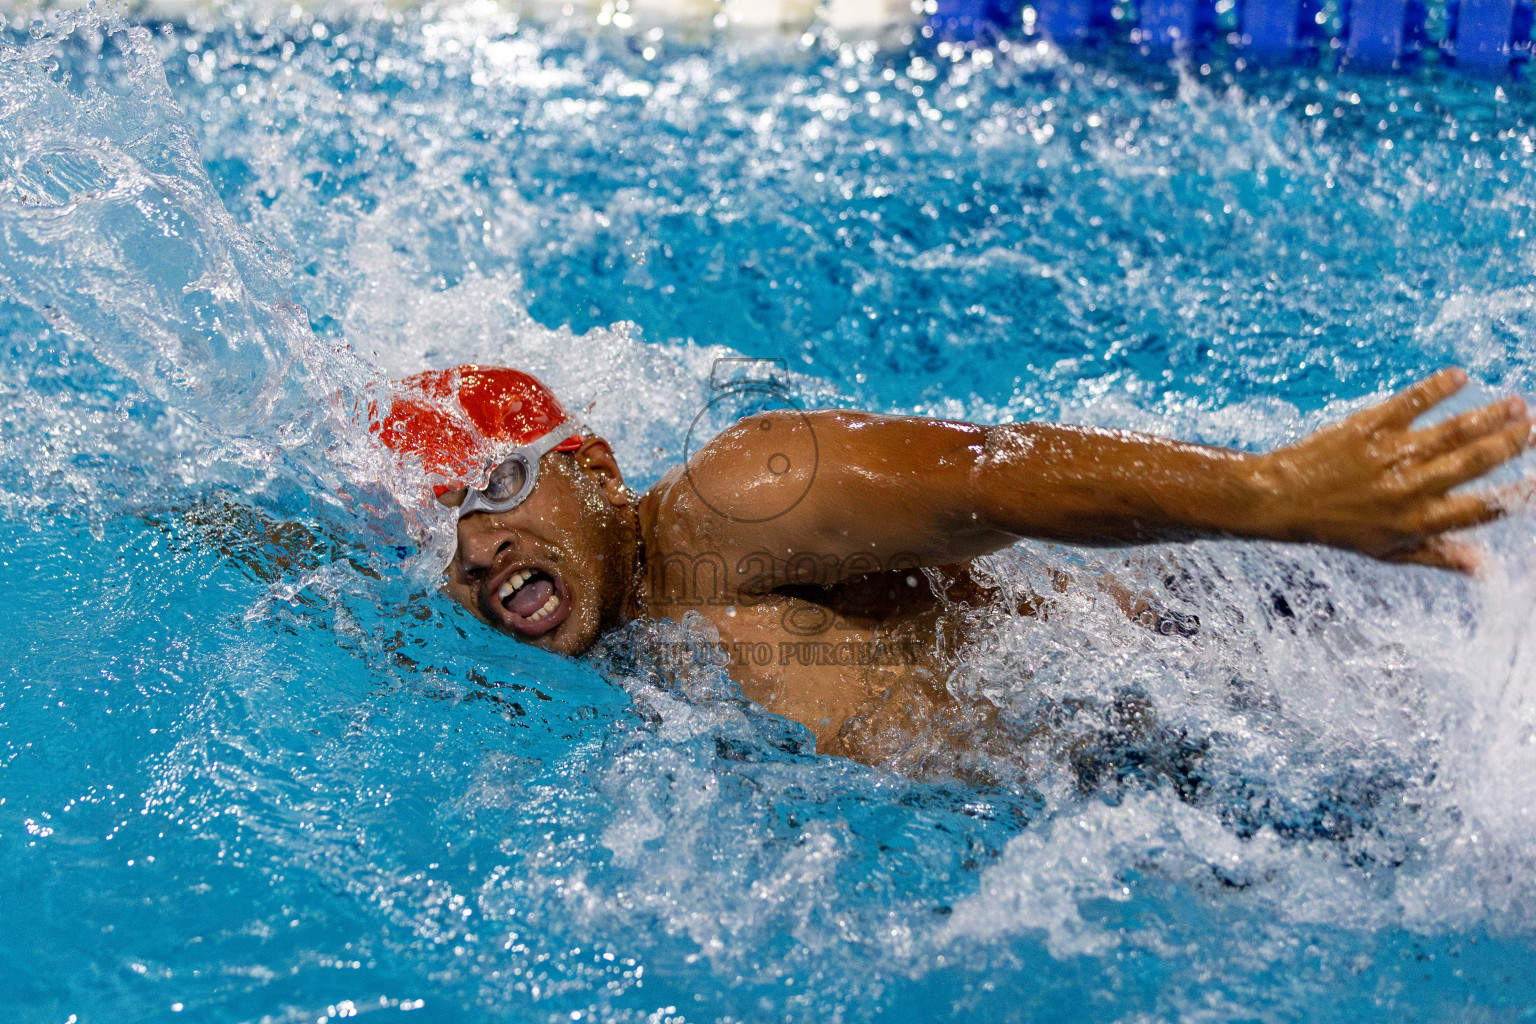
536, 450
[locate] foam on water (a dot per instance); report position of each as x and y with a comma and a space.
260, 774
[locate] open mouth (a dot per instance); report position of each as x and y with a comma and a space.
532, 601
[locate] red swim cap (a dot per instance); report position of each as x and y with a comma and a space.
454, 420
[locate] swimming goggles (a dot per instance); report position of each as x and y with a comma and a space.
514, 476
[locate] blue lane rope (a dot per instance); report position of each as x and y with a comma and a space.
1382, 35
1171, 26
1488, 38
1075, 22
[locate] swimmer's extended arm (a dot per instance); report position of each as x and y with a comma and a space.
940, 492
266, 547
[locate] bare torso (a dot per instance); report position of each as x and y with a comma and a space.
862, 662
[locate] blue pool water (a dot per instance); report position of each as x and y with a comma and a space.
249, 773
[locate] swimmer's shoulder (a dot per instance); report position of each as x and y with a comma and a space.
673, 518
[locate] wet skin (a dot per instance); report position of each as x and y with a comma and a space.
782, 543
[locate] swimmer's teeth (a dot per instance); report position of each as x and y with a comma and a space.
549, 606
516, 580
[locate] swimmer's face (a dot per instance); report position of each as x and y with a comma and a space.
547, 572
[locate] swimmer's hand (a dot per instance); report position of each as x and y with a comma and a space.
1372, 483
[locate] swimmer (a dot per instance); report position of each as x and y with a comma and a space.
823, 546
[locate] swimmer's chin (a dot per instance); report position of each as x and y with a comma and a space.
566, 637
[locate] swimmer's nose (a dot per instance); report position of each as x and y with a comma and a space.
480, 548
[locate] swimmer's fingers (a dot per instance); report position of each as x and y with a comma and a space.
1442, 553
1516, 497
1460, 431
1412, 402
1464, 511
1470, 461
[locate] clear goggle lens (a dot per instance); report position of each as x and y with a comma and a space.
507, 479
511, 480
